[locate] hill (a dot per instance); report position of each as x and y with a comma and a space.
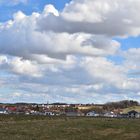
136, 108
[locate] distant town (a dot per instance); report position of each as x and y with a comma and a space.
121, 109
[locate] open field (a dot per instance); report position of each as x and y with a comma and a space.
62, 128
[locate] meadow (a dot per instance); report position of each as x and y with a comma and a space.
67, 128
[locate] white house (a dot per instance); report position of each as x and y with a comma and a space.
49, 113
110, 114
138, 115
92, 114
3, 111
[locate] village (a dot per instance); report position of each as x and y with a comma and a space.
74, 110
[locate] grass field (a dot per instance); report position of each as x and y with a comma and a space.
62, 128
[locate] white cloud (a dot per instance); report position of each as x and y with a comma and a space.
26, 67
63, 56
111, 18
16, 94
102, 69
24, 40
12, 2
19, 66
50, 9
87, 11
132, 58
111, 75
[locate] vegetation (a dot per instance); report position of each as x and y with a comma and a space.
120, 104
64, 128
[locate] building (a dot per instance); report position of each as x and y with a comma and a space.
74, 114
122, 115
49, 113
132, 114
11, 109
92, 114
3, 111
138, 115
110, 114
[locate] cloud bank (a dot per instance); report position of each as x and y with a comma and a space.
65, 55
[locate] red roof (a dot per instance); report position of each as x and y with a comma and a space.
11, 108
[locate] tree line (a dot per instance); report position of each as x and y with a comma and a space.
121, 104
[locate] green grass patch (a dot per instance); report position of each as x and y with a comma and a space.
67, 128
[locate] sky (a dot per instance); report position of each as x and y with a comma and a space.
72, 51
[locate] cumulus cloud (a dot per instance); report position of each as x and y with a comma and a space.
112, 18
111, 75
19, 66
64, 55
25, 40
103, 70
132, 61
132, 57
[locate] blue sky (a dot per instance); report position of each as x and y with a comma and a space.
7, 10
85, 50
131, 42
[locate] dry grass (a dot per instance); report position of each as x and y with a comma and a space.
60, 128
